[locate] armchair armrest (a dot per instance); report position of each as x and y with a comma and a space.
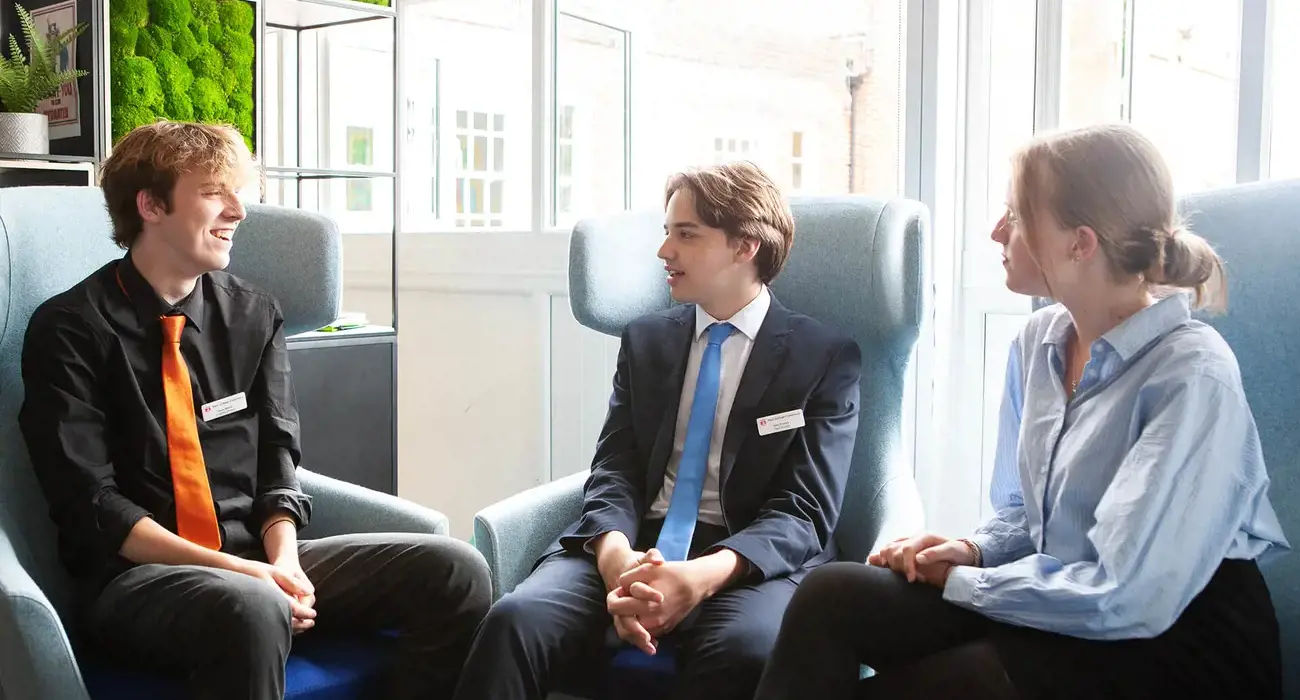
513, 533
340, 508
36, 658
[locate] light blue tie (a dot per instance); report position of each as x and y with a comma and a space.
679, 525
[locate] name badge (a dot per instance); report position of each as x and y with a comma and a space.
224, 407
778, 422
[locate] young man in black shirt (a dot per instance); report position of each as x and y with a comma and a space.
160, 419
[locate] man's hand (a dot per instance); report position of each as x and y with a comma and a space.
926, 558
615, 557
661, 594
288, 578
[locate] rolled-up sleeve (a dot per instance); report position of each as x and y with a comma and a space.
64, 425
279, 449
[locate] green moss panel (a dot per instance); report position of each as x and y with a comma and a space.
183, 60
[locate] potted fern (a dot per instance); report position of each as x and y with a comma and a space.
23, 84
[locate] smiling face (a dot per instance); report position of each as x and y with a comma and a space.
704, 265
195, 232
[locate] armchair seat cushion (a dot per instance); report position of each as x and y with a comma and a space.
320, 668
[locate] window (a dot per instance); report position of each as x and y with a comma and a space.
361, 149
564, 164
1167, 66
467, 66
591, 153
1284, 152
727, 150
725, 80
480, 175
796, 161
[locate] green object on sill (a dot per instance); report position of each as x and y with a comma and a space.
181, 60
381, 3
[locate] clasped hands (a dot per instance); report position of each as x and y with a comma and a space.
647, 596
287, 576
925, 558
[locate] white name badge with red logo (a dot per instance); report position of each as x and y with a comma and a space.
778, 422
224, 407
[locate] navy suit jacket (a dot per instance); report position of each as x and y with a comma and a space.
781, 493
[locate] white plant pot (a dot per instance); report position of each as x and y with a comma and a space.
23, 132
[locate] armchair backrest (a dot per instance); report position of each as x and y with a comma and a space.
53, 237
1255, 228
858, 264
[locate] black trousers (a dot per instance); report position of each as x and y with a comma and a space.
1225, 645
553, 632
230, 633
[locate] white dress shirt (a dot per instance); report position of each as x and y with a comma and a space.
735, 353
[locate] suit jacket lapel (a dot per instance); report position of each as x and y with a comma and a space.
675, 349
764, 360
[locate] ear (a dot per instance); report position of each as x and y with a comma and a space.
151, 210
746, 249
1085, 244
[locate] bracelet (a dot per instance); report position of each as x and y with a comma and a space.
267, 528
974, 550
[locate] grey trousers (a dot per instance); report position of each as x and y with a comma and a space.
230, 634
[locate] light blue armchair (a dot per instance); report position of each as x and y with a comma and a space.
1256, 229
51, 238
858, 264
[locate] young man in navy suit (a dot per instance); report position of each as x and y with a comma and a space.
719, 474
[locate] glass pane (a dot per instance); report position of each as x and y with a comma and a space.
796, 176
565, 166
467, 62
741, 76
494, 199
1284, 153
348, 88
476, 196
1011, 108
1184, 79
591, 118
367, 236
796, 146
480, 154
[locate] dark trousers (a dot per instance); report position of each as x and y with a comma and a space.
230, 633
1224, 645
553, 633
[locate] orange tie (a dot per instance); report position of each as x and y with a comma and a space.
196, 517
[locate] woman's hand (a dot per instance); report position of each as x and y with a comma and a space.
927, 558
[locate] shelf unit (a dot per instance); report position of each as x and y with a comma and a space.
19, 169
300, 18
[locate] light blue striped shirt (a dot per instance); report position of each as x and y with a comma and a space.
1114, 509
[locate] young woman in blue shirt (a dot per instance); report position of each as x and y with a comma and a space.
1130, 490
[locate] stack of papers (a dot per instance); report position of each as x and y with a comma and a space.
347, 321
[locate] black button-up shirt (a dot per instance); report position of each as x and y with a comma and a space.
95, 420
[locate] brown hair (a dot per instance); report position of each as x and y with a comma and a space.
152, 157
744, 202
1112, 179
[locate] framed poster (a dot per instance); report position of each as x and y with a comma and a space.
63, 109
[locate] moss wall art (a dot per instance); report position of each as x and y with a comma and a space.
182, 60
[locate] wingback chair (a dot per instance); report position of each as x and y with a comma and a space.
51, 238
858, 264
1256, 230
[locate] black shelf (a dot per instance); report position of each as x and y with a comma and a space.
44, 158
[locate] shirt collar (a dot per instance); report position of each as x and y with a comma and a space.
1135, 333
748, 320
149, 305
